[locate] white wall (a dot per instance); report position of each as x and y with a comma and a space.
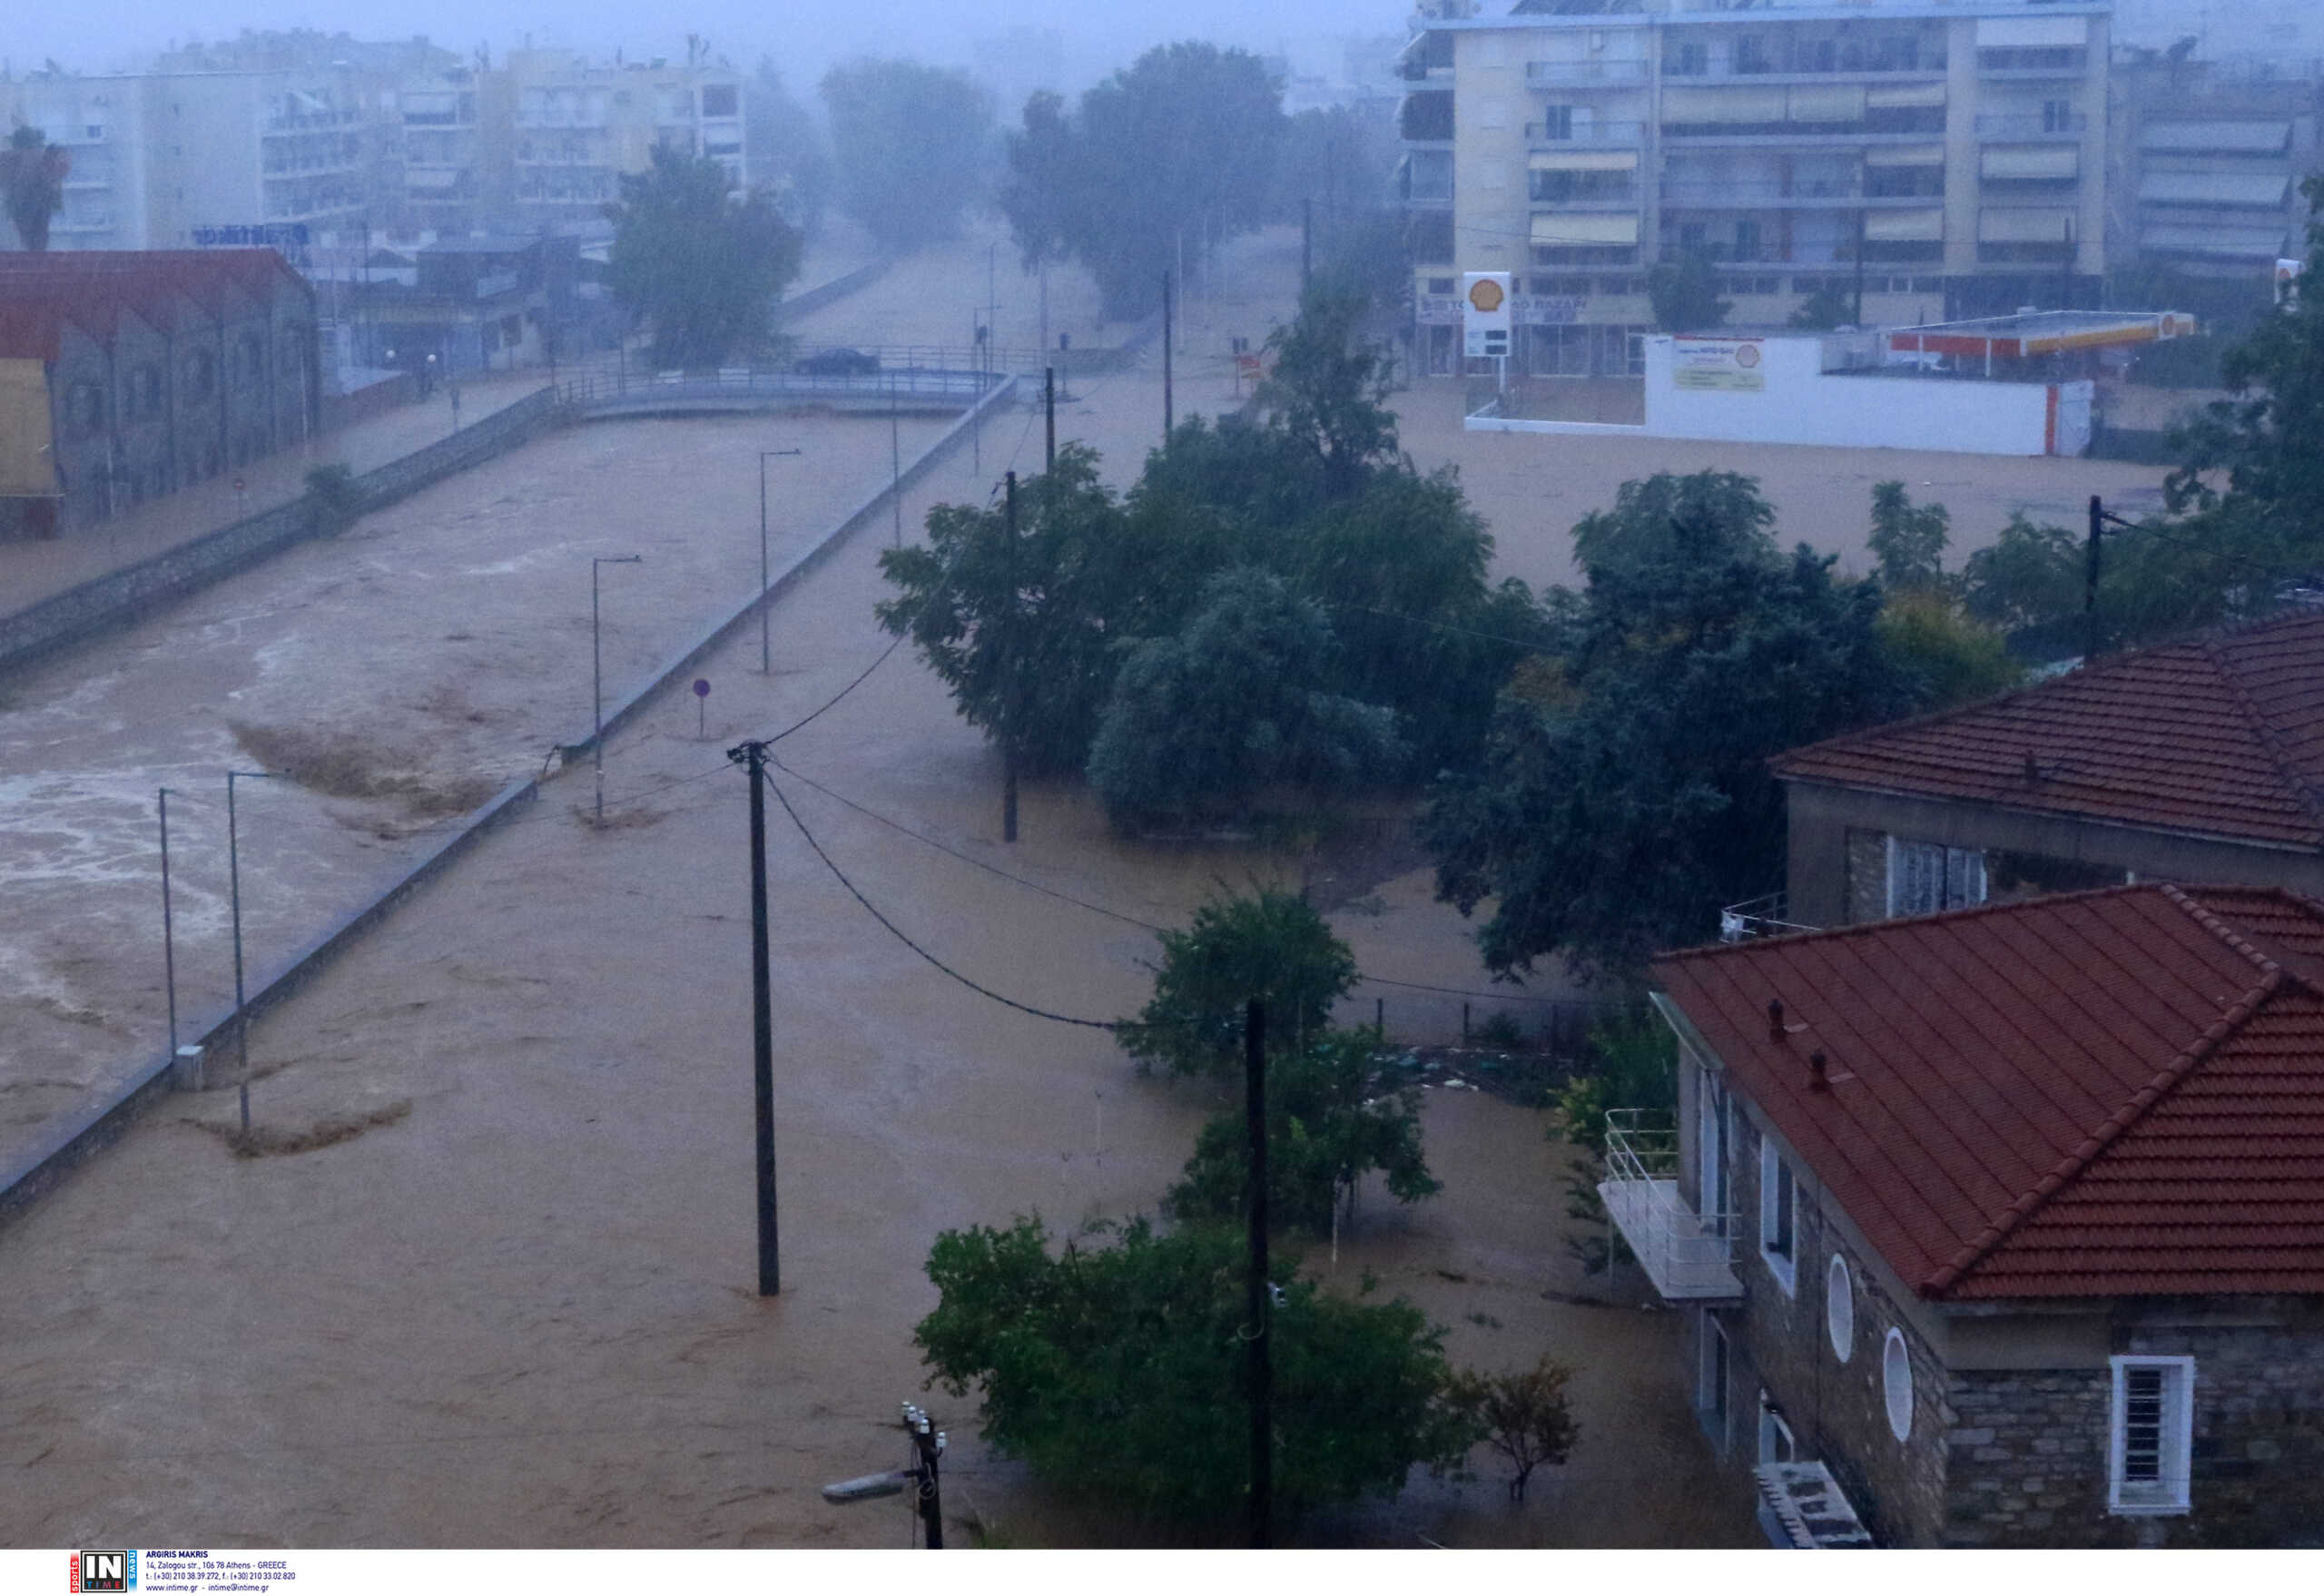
1802, 403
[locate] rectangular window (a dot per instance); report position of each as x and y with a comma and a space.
1777, 1200
2152, 1423
1710, 1152
1776, 1442
1557, 122
1924, 878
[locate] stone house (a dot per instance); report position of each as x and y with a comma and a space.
162, 367
2003, 1226
2198, 760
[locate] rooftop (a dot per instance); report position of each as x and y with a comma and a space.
2222, 736
2102, 1093
2042, 332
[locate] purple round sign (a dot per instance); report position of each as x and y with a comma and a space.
701, 687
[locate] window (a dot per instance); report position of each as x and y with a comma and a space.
1777, 1200
719, 99
2152, 1424
2057, 116
1689, 59
1776, 1442
1710, 1153
1927, 877
1557, 122
1444, 285
1897, 1385
1840, 1308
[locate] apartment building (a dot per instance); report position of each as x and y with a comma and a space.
2209, 157
1941, 161
577, 126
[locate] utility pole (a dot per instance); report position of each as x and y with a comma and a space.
895, 462
235, 879
1306, 242
1862, 228
2100, 518
928, 1444
597, 674
1169, 421
751, 757
1048, 405
1257, 1306
766, 656
169, 938
1016, 698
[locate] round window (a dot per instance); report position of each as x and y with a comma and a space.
1896, 1384
1839, 1308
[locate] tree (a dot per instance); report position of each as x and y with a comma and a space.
1632, 1066
1333, 1115
1684, 294
1119, 1371
1624, 795
1526, 1417
1271, 946
32, 185
700, 261
1950, 658
1326, 397
1177, 149
2029, 585
785, 143
1908, 539
912, 144
1830, 306
1239, 702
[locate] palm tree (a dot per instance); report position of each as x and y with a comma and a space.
32, 183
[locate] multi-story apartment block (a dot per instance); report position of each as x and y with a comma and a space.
1942, 160
457, 128
578, 127
2209, 157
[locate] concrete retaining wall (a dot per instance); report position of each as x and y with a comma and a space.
128, 595
822, 295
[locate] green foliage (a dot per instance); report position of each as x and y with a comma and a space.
32, 183
1907, 539
333, 497
1332, 1116
701, 263
1830, 306
1684, 294
913, 145
1236, 703
1271, 946
1500, 1030
1117, 1370
1326, 398
2030, 584
788, 152
1180, 144
1952, 659
1634, 1065
1527, 1417
1624, 795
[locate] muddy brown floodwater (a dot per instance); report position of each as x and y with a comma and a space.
493, 1286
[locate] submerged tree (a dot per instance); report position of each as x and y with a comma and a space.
32, 183
913, 145
699, 260
1272, 946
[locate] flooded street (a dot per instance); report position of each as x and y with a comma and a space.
501, 1293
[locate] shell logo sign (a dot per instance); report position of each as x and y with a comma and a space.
1484, 314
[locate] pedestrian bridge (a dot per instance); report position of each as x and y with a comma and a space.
909, 390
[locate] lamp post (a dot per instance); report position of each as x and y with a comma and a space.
766, 657
597, 673
234, 879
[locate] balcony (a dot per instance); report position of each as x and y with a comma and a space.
1564, 135
1689, 1257
2029, 125
1802, 1508
1758, 916
1624, 71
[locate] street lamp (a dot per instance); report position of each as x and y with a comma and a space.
234, 878
767, 666
597, 673
929, 1445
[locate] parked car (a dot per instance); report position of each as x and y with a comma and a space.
839, 362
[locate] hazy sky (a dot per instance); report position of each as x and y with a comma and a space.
805, 38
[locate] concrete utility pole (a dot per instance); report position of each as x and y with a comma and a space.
597, 674
1169, 421
895, 462
1016, 698
169, 938
751, 757
234, 879
1257, 1303
923, 1478
1049, 406
766, 656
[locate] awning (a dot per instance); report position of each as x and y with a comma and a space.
2224, 243
2225, 138
1891, 96
1587, 160
1744, 104
2031, 33
431, 179
2043, 225
1907, 155
27, 458
2215, 188
1897, 227
1828, 102
1564, 229
2031, 161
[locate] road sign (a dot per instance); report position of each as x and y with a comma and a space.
1484, 313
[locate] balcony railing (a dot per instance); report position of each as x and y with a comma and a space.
2029, 125
1541, 135
1758, 917
1688, 1254
1728, 194
1622, 71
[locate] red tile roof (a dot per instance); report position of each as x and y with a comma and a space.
2099, 1094
2220, 736
40, 291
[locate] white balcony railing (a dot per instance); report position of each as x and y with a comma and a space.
1758, 917
1689, 1256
